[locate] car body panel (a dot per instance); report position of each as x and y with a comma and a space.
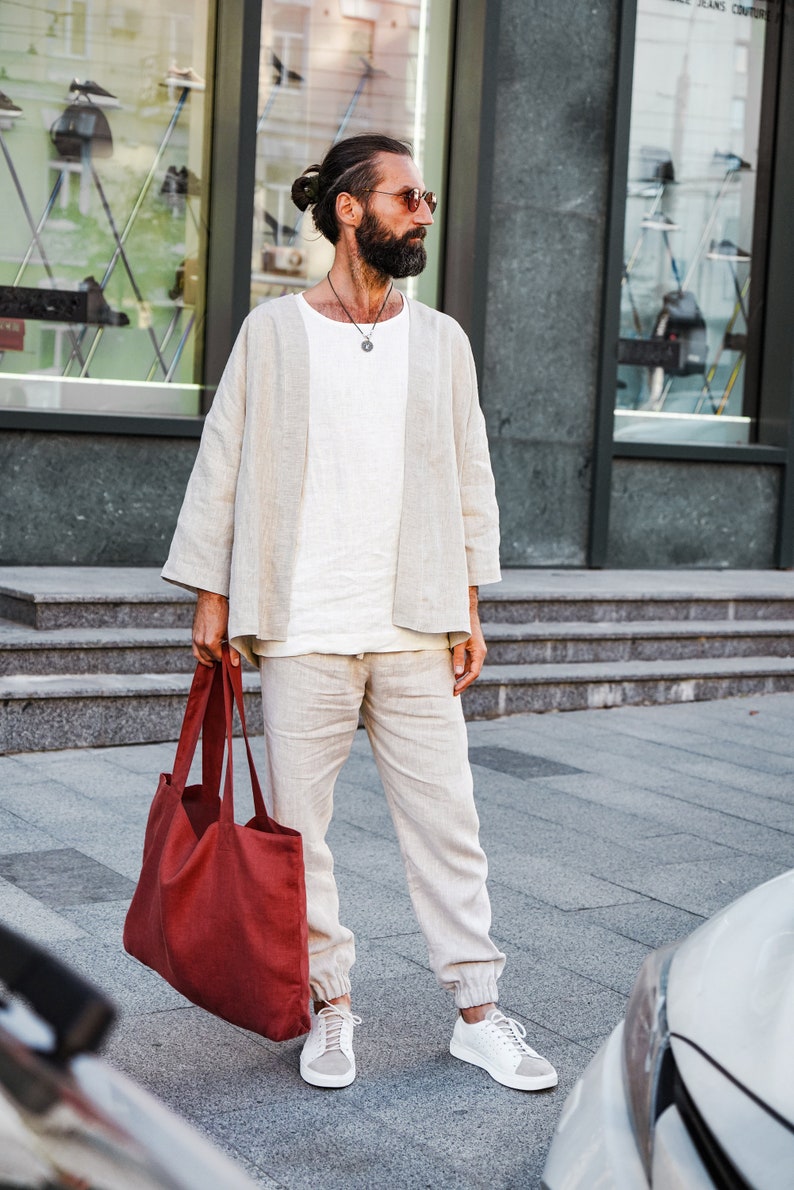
594, 1145
676, 1162
730, 1011
756, 1143
731, 991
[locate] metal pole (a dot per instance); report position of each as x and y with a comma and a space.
133, 215
47, 211
127, 266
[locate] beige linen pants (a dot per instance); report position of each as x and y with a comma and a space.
418, 736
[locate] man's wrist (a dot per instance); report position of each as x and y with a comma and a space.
211, 596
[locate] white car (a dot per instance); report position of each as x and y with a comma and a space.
695, 1088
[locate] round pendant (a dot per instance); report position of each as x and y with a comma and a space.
366, 345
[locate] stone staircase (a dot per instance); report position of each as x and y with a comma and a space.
91, 656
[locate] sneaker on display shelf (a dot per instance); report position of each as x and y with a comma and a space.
184, 76
8, 107
94, 92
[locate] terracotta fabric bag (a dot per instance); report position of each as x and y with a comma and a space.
220, 907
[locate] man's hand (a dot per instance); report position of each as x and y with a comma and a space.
469, 656
209, 628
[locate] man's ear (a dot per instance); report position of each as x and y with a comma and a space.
348, 210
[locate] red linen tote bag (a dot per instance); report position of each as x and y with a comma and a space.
220, 907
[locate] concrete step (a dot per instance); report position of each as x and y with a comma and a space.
541, 643
592, 596
41, 713
93, 710
95, 656
25, 650
51, 597
82, 597
517, 609
514, 689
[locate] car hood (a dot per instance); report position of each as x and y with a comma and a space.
731, 992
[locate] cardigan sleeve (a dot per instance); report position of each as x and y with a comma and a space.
201, 550
477, 490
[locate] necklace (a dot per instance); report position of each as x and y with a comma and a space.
367, 344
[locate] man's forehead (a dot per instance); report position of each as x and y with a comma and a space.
397, 172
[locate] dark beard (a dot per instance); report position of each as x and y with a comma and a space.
392, 256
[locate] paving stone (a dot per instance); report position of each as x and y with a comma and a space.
564, 937
103, 920
665, 810
63, 876
553, 881
94, 777
24, 913
371, 912
372, 855
362, 807
705, 886
560, 999
744, 753
649, 771
557, 801
517, 763
132, 987
18, 835
651, 922
185, 1055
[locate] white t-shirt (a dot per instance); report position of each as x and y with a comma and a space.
346, 564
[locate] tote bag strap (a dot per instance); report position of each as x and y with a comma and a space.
213, 736
195, 714
233, 692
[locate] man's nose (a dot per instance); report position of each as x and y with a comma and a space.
423, 214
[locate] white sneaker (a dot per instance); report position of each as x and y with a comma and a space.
497, 1045
327, 1058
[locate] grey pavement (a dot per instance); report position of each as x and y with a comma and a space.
609, 832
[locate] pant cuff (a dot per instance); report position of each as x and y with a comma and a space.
330, 989
472, 995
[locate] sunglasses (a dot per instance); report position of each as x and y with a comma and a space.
411, 198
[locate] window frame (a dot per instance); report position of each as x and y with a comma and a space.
773, 366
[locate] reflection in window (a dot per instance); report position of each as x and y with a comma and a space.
102, 107
690, 213
329, 71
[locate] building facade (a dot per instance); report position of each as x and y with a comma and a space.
613, 233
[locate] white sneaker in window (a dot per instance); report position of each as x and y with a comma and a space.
497, 1045
327, 1058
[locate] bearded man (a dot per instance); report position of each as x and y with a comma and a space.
338, 521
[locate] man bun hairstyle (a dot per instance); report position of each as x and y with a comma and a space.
349, 167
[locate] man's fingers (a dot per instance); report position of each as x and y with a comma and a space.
209, 654
468, 659
206, 653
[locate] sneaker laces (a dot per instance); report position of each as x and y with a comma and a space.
512, 1031
335, 1019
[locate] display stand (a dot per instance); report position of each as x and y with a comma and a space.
120, 238
36, 233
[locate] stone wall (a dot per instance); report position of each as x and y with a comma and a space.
90, 499
553, 129
668, 514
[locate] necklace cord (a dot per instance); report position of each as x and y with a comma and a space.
350, 316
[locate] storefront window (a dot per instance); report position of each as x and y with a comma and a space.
103, 107
334, 70
690, 220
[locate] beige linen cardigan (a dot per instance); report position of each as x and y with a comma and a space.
237, 530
